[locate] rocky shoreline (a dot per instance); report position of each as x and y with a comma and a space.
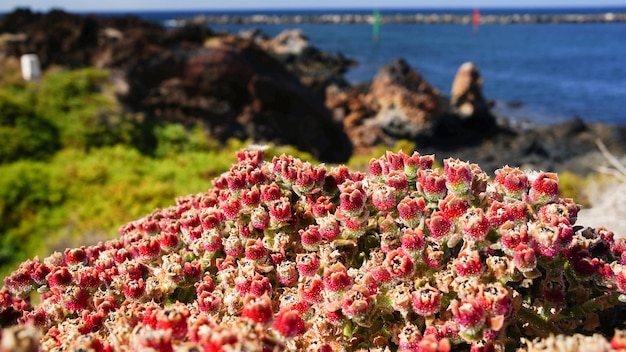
416, 18
285, 91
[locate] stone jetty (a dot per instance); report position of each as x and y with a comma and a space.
417, 18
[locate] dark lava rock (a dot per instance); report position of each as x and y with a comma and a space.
236, 90
316, 69
567, 146
61, 38
188, 75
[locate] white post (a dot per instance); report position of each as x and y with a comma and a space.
31, 68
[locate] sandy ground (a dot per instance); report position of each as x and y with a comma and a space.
608, 208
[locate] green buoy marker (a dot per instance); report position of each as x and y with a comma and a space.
376, 25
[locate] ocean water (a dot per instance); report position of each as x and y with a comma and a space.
553, 71
535, 72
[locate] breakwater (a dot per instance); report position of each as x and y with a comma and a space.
418, 18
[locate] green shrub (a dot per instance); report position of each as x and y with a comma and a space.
11, 72
24, 134
73, 165
82, 105
68, 108
172, 139
81, 197
29, 194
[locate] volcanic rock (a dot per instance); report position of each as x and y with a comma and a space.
289, 42
315, 68
350, 106
237, 90
405, 102
401, 104
466, 98
64, 39
189, 75
256, 35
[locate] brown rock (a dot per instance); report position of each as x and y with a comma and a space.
350, 107
293, 42
406, 103
466, 97
188, 75
61, 38
316, 69
399, 104
237, 90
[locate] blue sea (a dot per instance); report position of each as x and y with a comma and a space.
553, 71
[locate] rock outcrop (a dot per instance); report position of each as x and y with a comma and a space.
466, 98
64, 39
188, 75
315, 68
351, 107
406, 104
237, 90
399, 104
289, 42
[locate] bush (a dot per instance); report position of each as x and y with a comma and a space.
82, 105
24, 134
82, 197
172, 139
29, 193
67, 109
287, 255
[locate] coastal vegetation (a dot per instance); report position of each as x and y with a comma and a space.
75, 166
288, 255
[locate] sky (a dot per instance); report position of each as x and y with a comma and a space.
124, 5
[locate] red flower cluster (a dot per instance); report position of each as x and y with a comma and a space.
282, 254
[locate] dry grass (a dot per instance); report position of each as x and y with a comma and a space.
608, 199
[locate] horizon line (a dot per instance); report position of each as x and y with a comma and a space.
356, 8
